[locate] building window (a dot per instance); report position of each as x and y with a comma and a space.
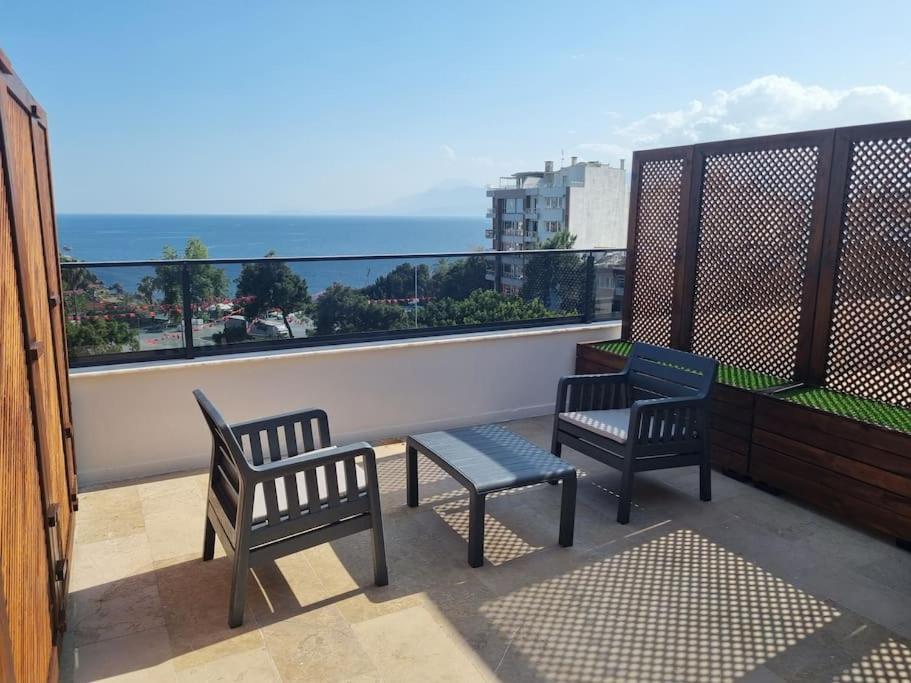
553, 226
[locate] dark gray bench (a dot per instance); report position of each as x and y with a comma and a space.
486, 459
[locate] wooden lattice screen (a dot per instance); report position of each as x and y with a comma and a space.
864, 344
658, 219
791, 255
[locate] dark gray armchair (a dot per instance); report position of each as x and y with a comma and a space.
277, 486
653, 415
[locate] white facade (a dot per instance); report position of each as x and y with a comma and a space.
140, 420
587, 198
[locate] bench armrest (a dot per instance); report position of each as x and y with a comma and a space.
570, 392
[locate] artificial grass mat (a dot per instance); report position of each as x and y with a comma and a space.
863, 409
727, 374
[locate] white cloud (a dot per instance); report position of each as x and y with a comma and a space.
766, 105
449, 152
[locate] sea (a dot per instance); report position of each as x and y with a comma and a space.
110, 237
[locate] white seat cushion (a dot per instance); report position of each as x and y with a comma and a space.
259, 499
613, 424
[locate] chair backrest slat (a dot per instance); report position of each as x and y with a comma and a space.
332, 495
656, 372
351, 487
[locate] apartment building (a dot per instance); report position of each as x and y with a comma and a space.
587, 198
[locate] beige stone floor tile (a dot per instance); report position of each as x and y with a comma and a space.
252, 666
194, 597
109, 513
102, 562
410, 645
115, 609
317, 645
170, 485
177, 531
141, 657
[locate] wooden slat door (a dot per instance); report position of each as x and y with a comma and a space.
37, 476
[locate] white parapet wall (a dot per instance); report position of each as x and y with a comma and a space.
140, 420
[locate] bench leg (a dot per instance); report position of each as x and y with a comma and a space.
568, 511
476, 530
411, 475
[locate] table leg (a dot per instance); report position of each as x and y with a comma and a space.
476, 530
411, 475
568, 510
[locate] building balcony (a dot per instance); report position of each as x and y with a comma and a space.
490, 233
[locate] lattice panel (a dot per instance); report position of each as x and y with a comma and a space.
754, 235
660, 189
870, 339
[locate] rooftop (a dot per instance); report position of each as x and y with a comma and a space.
748, 587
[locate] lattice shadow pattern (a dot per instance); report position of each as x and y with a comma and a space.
678, 608
870, 340
890, 663
660, 189
754, 235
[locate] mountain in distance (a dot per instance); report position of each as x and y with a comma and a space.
449, 198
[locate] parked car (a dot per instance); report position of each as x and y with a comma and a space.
267, 329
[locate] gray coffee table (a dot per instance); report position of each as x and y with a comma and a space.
486, 459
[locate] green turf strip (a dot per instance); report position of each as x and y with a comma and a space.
865, 410
727, 374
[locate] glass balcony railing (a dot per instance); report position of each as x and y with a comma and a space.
151, 310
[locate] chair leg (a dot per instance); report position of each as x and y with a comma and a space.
705, 481
380, 571
568, 510
411, 476
556, 448
208, 541
626, 495
238, 588
476, 531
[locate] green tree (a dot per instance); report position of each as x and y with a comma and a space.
557, 280
207, 281
458, 279
345, 310
99, 336
76, 278
482, 306
146, 289
399, 284
272, 285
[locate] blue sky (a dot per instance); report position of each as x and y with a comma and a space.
224, 107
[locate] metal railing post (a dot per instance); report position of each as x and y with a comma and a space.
588, 313
187, 309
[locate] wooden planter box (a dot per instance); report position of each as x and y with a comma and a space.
853, 469
732, 411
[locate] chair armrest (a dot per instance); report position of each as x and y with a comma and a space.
311, 460
696, 419
569, 383
264, 423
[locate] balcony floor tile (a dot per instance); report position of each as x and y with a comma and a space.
749, 587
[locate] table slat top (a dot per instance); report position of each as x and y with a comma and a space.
491, 458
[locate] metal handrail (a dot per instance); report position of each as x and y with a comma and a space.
304, 259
